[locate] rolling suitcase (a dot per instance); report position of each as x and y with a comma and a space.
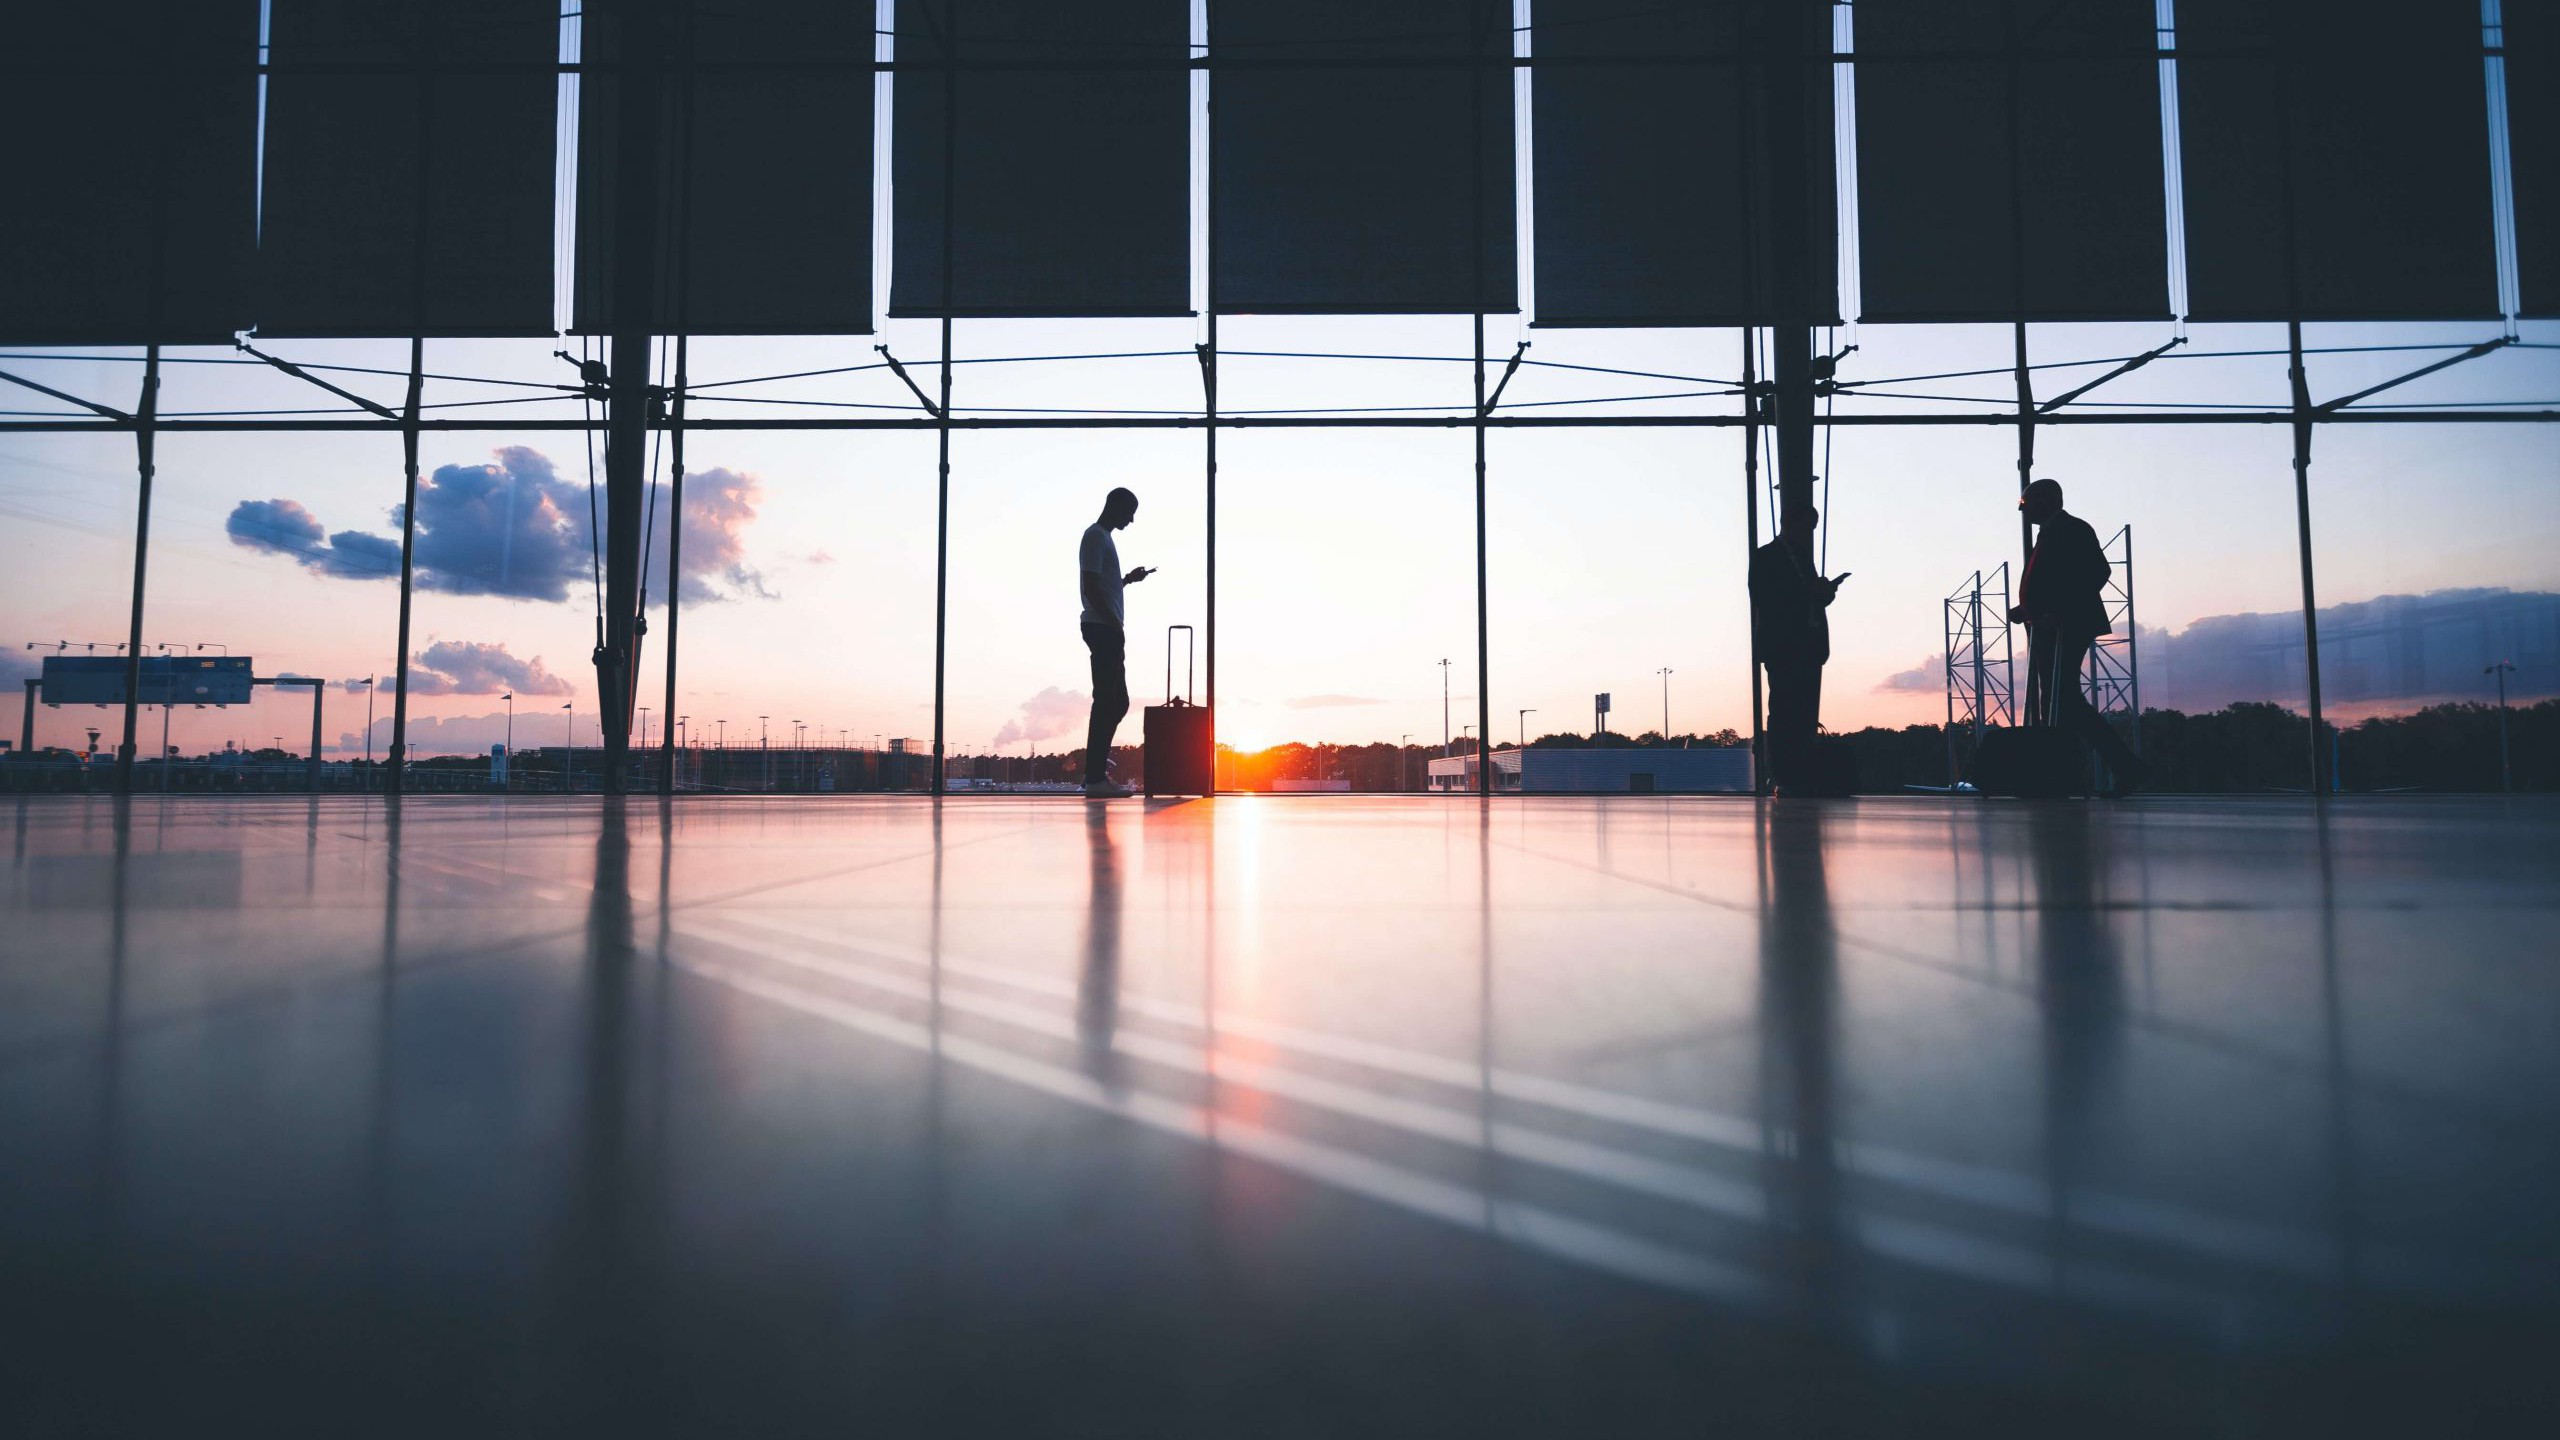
2034, 762
1180, 756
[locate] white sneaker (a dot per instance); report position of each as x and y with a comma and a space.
1107, 790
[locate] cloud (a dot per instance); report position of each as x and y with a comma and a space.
1329, 702
433, 735
2387, 653
719, 505
17, 666
284, 527
818, 557
468, 667
515, 527
1050, 713
275, 525
356, 555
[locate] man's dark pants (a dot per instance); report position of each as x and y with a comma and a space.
2054, 658
1795, 715
1110, 648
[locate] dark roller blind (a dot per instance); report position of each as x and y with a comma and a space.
1651, 202
2337, 160
1072, 186
2533, 129
410, 192
128, 175
1359, 163
2009, 161
765, 224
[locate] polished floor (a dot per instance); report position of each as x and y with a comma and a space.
1318, 1116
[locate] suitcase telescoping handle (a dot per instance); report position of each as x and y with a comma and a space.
1188, 666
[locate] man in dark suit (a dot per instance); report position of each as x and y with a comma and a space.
2062, 601
1791, 636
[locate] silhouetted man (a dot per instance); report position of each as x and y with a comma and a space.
1791, 634
2062, 600
1106, 636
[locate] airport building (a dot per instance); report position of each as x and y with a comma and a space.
1615, 771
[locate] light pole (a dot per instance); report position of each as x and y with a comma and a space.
764, 751
1524, 729
2506, 776
1665, 673
644, 729
511, 739
368, 724
569, 761
1404, 761
723, 742
1444, 707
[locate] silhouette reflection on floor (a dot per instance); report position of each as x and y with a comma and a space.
1306, 1116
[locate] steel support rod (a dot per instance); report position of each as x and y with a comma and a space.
392, 774
948, 41
91, 406
2302, 523
1782, 64
145, 438
1475, 251
1989, 419
2127, 368
638, 209
412, 412
675, 571
1209, 495
1751, 535
2027, 415
688, 94
1511, 368
1484, 642
298, 373
1210, 422
2395, 382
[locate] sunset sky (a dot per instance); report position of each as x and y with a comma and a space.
1346, 556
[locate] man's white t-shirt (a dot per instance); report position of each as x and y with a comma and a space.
1099, 557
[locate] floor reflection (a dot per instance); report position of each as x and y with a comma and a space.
2080, 994
1799, 959
1098, 983
932, 1117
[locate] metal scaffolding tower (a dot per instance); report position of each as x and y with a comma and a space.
2111, 680
1981, 688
